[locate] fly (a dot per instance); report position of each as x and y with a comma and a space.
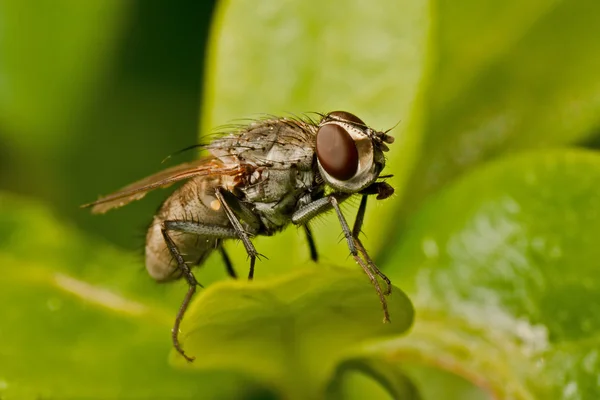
256, 181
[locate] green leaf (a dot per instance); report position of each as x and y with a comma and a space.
283, 57
507, 76
291, 331
502, 268
81, 319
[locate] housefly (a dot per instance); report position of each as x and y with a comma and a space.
258, 179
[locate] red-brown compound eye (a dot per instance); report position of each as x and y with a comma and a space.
346, 116
337, 152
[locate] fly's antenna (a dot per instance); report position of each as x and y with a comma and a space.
393, 127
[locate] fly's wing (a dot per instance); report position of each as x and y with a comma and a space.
137, 190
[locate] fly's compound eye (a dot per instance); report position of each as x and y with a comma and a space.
346, 116
337, 152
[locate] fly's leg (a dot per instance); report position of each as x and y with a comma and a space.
360, 217
192, 282
240, 210
311, 210
227, 262
230, 202
311, 243
352, 241
218, 232
356, 230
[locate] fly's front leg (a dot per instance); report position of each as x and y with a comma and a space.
231, 203
197, 229
352, 245
311, 210
356, 230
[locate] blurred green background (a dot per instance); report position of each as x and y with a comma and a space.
95, 95
490, 239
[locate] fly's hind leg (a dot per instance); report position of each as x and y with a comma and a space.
217, 232
192, 282
231, 206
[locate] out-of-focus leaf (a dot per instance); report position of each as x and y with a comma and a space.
288, 56
102, 91
368, 374
290, 331
472, 35
508, 76
349, 381
80, 319
433, 383
53, 53
502, 267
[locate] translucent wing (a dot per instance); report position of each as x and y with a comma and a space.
137, 190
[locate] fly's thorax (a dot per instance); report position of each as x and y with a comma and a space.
273, 142
272, 184
193, 202
349, 153
273, 193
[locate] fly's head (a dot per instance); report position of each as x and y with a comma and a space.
349, 153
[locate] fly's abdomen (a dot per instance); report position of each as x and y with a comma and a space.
160, 263
194, 203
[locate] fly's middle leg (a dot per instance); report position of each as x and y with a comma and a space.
311, 243
232, 206
227, 262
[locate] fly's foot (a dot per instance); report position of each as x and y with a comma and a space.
253, 255
177, 345
259, 256
388, 284
187, 358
